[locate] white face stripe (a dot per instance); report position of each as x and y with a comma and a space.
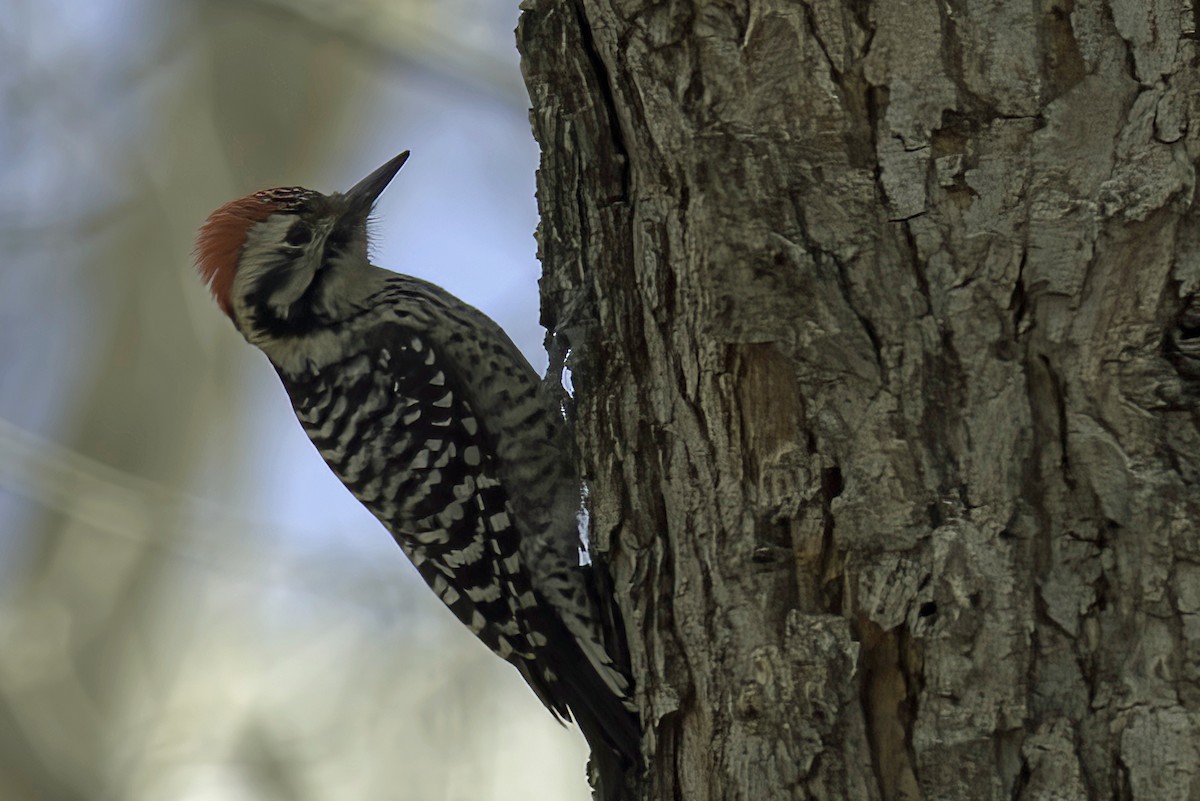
260, 256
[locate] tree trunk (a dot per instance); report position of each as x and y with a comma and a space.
883, 326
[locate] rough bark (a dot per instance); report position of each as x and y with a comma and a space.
882, 320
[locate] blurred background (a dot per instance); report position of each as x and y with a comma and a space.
191, 606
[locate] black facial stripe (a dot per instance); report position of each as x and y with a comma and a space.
302, 317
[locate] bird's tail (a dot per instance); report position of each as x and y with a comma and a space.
612, 731
571, 687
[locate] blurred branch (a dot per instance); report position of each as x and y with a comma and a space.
387, 29
121, 504
82, 488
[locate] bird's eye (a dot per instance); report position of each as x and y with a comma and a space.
298, 234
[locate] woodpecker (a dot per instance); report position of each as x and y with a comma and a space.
432, 418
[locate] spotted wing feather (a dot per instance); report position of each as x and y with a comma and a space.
403, 438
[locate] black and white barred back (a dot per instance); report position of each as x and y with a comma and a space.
399, 422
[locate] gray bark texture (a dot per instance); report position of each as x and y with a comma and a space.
884, 331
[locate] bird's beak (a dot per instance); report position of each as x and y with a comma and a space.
362, 197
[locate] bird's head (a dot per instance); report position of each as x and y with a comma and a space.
283, 262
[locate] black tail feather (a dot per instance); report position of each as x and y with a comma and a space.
612, 731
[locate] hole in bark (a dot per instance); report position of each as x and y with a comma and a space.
1181, 341
928, 609
830, 561
1187, 322
1023, 777
1102, 590
831, 482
